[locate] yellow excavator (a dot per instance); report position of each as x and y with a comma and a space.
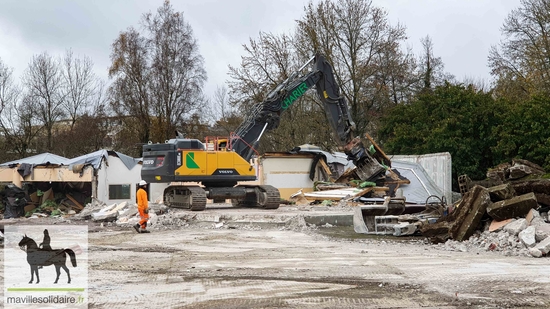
218, 164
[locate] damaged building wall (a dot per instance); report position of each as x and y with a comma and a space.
45, 174
113, 179
286, 172
115, 182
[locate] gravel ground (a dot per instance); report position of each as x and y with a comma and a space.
273, 259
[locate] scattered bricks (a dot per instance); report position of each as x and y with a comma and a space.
517, 206
464, 183
527, 237
542, 231
544, 246
497, 226
474, 205
501, 192
516, 226
535, 252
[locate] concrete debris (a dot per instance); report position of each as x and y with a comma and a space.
86, 214
527, 236
505, 206
535, 252
542, 231
107, 216
109, 213
463, 221
382, 219
544, 246
470, 212
516, 226
501, 192
517, 206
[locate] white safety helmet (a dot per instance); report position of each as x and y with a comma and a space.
142, 183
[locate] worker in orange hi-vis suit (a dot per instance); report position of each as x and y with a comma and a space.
143, 208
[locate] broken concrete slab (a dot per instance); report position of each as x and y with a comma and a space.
527, 236
501, 192
544, 245
535, 168
542, 231
109, 213
471, 210
519, 171
108, 216
517, 206
516, 226
535, 252
461, 223
541, 188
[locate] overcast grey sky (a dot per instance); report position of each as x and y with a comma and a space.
462, 31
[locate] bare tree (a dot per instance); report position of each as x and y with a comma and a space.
159, 75
224, 115
44, 83
16, 117
130, 89
9, 92
520, 62
177, 67
373, 71
81, 85
269, 60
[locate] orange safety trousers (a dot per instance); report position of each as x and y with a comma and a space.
144, 217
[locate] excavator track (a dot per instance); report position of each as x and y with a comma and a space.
264, 196
189, 197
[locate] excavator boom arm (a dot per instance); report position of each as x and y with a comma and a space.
266, 115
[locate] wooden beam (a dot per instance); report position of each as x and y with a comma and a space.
74, 201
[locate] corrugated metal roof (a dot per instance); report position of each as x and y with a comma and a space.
93, 159
96, 157
39, 159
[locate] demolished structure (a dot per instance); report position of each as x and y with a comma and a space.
70, 184
513, 201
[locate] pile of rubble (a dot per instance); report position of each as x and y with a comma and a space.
523, 236
121, 214
513, 201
